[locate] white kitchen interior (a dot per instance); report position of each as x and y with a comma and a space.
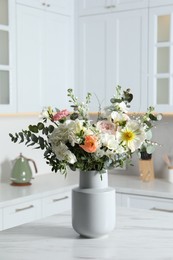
48, 46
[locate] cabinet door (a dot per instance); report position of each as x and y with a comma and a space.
93, 6
113, 51
129, 68
0, 219
60, 6
160, 58
160, 2
21, 213
44, 59
33, 3
130, 4
29, 58
7, 57
56, 60
145, 202
92, 57
56, 204
57, 6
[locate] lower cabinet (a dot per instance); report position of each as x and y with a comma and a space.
21, 213
144, 202
0, 219
56, 203
34, 209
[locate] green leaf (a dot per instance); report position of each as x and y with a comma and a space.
74, 116
40, 126
152, 117
33, 128
50, 129
41, 142
115, 100
34, 138
21, 137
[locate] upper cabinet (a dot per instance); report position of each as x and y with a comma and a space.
44, 56
112, 50
58, 6
160, 92
127, 43
87, 7
7, 56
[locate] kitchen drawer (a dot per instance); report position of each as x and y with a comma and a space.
21, 213
147, 202
0, 219
56, 203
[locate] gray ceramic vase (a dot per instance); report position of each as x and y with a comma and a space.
93, 205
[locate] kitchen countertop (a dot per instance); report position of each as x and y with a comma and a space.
48, 184
139, 234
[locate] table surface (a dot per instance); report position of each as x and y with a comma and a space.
50, 183
139, 234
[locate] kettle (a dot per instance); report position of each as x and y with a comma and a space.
21, 174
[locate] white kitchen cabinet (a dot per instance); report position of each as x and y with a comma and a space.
7, 57
59, 6
48, 195
21, 213
146, 202
88, 7
44, 58
160, 58
112, 50
56, 203
0, 219
155, 3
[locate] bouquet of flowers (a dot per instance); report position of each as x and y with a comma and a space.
72, 140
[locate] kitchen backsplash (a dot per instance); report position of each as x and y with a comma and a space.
9, 151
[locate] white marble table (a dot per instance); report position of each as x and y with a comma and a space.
139, 235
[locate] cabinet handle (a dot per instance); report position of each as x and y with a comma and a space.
164, 210
43, 4
110, 6
48, 5
63, 198
29, 207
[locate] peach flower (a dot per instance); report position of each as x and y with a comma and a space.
90, 144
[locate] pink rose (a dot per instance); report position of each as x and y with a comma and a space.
61, 115
106, 127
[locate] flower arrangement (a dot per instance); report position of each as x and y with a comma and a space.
72, 140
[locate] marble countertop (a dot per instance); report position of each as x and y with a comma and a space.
53, 182
139, 234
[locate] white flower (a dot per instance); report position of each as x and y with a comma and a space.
109, 141
63, 153
119, 118
123, 107
132, 135
59, 134
44, 113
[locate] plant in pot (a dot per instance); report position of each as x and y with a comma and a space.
70, 140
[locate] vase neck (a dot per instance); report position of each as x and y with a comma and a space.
93, 179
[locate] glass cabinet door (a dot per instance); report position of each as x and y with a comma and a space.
6, 61
160, 61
